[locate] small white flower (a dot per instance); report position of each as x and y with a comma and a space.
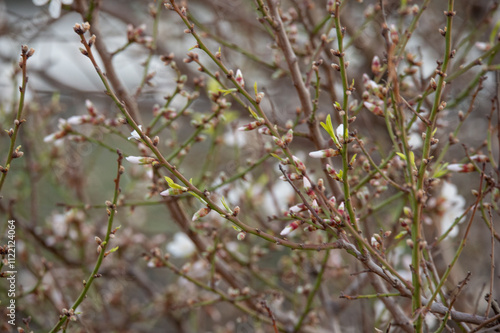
54, 6
181, 246
135, 135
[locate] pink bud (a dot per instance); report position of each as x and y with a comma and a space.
298, 163
265, 131
288, 136
239, 78
375, 109
291, 227
200, 213
469, 167
376, 65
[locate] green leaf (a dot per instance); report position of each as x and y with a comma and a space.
440, 171
401, 234
236, 228
224, 203
197, 197
174, 185
327, 125
412, 160
114, 249
252, 112
353, 159
402, 156
340, 173
276, 156
255, 88
493, 34
228, 91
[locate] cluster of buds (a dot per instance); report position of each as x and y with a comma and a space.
80, 29
137, 34
285, 139
374, 94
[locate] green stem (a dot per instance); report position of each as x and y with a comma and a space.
111, 214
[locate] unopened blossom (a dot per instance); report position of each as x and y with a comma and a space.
173, 191
280, 143
54, 6
481, 46
239, 78
265, 131
300, 165
480, 158
200, 213
139, 159
90, 108
341, 208
331, 171
292, 176
288, 136
289, 228
77, 120
457, 167
373, 108
376, 65
309, 189
296, 209
182, 246
135, 135
241, 235
369, 84
394, 34
53, 137
324, 153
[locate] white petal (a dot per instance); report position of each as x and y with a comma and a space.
340, 131
317, 154
40, 2
67, 2
55, 8
50, 137
286, 231
135, 159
